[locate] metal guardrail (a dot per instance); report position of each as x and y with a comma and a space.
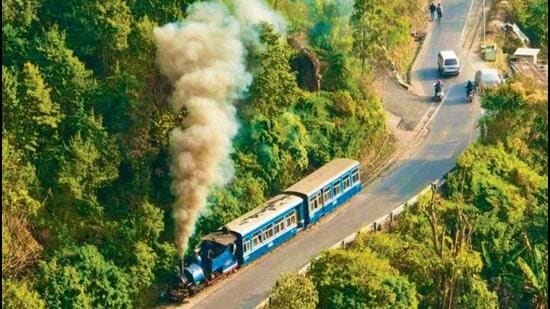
389, 217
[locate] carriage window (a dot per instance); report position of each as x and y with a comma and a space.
277, 227
268, 233
336, 188
355, 176
246, 245
346, 182
326, 194
315, 202
282, 225
256, 239
319, 199
291, 219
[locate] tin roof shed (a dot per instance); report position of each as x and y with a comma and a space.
529, 54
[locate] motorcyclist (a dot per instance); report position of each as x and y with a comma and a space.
438, 86
469, 88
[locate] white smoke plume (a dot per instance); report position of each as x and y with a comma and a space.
253, 12
204, 60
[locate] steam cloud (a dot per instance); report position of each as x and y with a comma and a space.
253, 12
204, 59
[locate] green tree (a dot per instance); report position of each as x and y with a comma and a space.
377, 27
18, 294
30, 115
518, 119
19, 13
163, 11
431, 246
72, 84
351, 279
293, 291
19, 204
274, 87
273, 135
90, 164
340, 124
143, 267
532, 16
17, 19
97, 31
534, 272
80, 277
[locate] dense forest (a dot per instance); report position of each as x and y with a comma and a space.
86, 216
532, 17
481, 243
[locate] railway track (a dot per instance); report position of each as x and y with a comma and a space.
539, 72
476, 28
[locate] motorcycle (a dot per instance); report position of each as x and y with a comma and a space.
439, 95
470, 93
439, 92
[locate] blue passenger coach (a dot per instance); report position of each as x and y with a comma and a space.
268, 226
259, 231
327, 188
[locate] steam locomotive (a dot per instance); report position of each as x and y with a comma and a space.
261, 230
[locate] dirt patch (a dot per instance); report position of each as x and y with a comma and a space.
406, 117
400, 102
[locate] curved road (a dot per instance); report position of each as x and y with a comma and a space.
450, 131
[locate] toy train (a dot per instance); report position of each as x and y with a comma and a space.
261, 230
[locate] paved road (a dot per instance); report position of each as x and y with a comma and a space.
449, 133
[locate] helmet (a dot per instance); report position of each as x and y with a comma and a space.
439, 81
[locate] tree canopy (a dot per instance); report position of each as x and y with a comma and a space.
86, 123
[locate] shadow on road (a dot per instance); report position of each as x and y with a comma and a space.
425, 74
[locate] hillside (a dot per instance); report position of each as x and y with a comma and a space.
88, 111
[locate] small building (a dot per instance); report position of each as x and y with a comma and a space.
527, 54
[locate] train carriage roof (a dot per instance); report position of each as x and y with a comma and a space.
263, 214
221, 237
323, 176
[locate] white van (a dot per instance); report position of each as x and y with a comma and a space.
448, 63
488, 78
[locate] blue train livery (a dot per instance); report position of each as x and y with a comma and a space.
259, 231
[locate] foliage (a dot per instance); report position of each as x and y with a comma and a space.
430, 246
30, 115
86, 182
532, 16
293, 291
17, 295
19, 188
18, 182
340, 116
352, 279
377, 28
518, 118
483, 242
505, 177
79, 277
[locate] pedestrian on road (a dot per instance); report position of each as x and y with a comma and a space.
432, 10
439, 11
